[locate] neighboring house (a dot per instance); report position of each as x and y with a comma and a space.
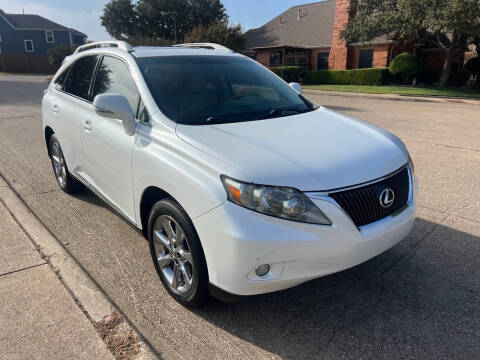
27, 37
309, 36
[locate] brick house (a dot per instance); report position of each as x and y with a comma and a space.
309, 36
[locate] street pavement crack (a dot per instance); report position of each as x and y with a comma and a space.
17, 117
42, 192
23, 269
414, 247
445, 145
447, 213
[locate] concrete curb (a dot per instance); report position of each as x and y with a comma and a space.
393, 97
89, 297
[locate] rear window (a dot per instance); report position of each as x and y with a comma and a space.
199, 90
80, 76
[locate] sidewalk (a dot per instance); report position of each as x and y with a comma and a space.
394, 97
39, 318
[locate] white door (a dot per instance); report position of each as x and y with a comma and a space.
67, 102
107, 150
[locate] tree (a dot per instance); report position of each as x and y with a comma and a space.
120, 19
453, 24
160, 19
56, 55
219, 33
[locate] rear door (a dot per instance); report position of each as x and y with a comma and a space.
69, 101
107, 150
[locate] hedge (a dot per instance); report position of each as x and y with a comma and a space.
407, 65
377, 76
287, 73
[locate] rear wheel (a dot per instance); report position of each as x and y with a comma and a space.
177, 253
66, 182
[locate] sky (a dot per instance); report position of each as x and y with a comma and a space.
83, 15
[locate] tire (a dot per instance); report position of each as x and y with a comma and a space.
64, 180
177, 253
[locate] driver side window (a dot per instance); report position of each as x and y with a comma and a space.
113, 76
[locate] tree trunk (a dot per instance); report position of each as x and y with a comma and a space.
447, 68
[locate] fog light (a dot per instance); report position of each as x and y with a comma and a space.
262, 270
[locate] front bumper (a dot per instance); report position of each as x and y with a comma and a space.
237, 240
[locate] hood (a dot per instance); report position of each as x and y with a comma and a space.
316, 151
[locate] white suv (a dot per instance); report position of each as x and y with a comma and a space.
236, 179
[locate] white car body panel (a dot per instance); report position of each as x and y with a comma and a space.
107, 160
313, 152
319, 150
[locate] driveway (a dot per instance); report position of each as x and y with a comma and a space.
420, 299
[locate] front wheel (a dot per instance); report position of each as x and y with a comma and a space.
66, 182
177, 253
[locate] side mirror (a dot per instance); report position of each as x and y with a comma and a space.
116, 106
297, 87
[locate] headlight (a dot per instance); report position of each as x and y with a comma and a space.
410, 163
283, 202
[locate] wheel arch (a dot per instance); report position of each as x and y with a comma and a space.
48, 132
150, 196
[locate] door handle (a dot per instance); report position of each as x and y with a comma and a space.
87, 125
55, 108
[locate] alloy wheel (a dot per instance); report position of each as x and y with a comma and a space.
173, 254
59, 164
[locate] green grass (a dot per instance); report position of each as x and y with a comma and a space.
399, 90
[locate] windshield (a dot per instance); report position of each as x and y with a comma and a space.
199, 90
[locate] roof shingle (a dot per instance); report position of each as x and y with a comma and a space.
308, 26
28, 21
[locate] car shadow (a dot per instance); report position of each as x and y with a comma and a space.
418, 300
88, 196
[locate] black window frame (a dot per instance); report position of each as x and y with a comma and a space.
327, 53
274, 55
140, 100
62, 83
89, 93
370, 60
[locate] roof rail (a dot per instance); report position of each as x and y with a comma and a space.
119, 44
205, 46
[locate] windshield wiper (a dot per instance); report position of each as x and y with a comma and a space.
280, 112
216, 119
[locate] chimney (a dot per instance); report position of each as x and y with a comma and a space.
339, 52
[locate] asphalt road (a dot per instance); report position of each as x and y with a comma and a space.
420, 299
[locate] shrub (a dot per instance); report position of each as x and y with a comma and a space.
473, 65
429, 76
407, 66
56, 55
287, 73
349, 77
459, 76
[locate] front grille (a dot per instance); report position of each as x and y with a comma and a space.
363, 204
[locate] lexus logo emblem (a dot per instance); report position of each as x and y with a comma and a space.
386, 198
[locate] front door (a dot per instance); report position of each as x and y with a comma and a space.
107, 150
